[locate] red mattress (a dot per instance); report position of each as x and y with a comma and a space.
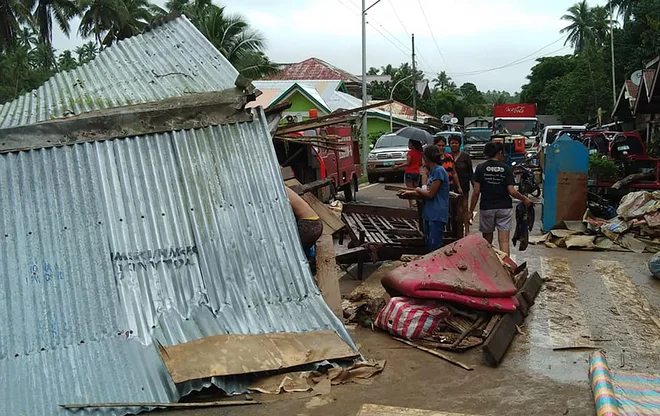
466, 272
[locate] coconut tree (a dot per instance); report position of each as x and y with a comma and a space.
43, 12
100, 17
66, 61
43, 56
12, 14
444, 82
624, 7
135, 18
600, 25
579, 30
86, 52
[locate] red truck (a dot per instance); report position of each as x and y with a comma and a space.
341, 168
628, 152
518, 120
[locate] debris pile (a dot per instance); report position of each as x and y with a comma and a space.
456, 298
636, 228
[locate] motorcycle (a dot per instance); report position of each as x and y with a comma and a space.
524, 179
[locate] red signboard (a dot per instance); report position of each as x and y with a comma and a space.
514, 110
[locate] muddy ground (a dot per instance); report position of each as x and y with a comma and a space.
614, 307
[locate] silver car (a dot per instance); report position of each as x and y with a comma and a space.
388, 151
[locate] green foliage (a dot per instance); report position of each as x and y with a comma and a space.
601, 168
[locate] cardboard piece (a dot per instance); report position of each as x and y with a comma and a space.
225, 355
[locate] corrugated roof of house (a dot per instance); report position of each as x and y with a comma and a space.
313, 69
171, 60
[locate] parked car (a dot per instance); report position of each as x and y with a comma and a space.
551, 133
389, 150
475, 141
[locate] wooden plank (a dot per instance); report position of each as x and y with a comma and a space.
378, 410
568, 324
386, 212
305, 125
327, 278
383, 237
287, 173
191, 111
219, 403
497, 344
230, 354
327, 216
309, 187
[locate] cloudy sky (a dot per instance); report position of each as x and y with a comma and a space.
470, 39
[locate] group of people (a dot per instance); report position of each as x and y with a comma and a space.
434, 171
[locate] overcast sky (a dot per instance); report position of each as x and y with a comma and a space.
470, 35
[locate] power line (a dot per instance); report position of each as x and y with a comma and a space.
514, 63
405, 52
431, 30
421, 57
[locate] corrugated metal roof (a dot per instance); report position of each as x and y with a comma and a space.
110, 245
169, 61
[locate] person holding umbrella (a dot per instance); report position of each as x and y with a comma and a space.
413, 165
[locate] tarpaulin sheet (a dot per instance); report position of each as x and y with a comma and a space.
622, 394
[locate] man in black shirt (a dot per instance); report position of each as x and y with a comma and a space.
493, 180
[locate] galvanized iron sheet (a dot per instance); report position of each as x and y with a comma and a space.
169, 61
109, 246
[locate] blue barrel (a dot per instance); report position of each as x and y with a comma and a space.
566, 167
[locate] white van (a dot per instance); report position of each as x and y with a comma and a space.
550, 133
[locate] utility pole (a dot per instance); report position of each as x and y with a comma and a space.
612, 47
365, 145
414, 92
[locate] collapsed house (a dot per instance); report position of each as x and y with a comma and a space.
134, 215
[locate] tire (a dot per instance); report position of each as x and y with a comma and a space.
349, 191
372, 178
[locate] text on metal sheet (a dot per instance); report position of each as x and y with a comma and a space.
152, 259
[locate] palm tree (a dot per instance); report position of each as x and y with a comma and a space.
28, 37
233, 37
87, 52
67, 62
444, 82
193, 9
12, 14
579, 29
136, 17
600, 25
624, 7
44, 11
43, 56
100, 17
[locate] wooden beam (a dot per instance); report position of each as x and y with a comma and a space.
327, 278
287, 129
180, 113
304, 125
378, 210
330, 220
219, 403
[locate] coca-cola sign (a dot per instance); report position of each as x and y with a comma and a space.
519, 109
514, 110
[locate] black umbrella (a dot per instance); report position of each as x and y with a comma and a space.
413, 133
